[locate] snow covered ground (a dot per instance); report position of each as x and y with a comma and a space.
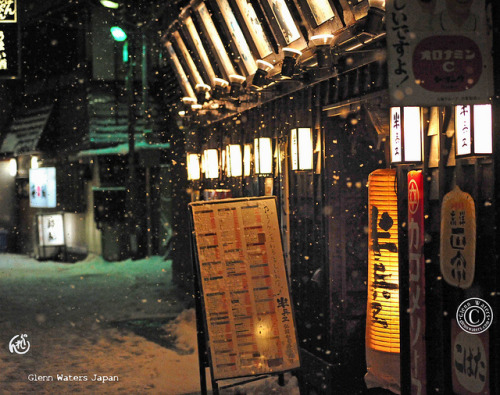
97, 327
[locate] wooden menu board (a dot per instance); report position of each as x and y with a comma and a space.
244, 289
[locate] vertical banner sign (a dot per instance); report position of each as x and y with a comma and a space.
382, 316
246, 302
9, 40
417, 281
469, 361
439, 52
458, 238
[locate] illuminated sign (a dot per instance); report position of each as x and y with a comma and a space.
42, 182
321, 10
213, 36
255, 28
51, 230
186, 87
405, 135
234, 160
284, 20
189, 60
237, 37
458, 238
382, 322
417, 279
211, 163
200, 49
9, 40
473, 130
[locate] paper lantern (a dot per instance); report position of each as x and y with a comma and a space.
193, 166
234, 160
406, 135
473, 130
263, 155
301, 149
247, 160
211, 163
382, 321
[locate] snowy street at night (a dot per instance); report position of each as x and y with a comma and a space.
119, 327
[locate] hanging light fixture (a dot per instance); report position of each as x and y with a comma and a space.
236, 82
211, 163
322, 43
301, 149
221, 88
202, 92
406, 135
234, 160
193, 166
382, 322
473, 130
289, 62
259, 78
263, 155
374, 19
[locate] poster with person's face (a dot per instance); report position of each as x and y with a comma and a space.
439, 52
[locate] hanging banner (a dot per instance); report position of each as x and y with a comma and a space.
469, 361
382, 316
458, 238
246, 301
439, 52
10, 66
417, 281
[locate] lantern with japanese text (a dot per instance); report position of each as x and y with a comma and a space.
473, 130
406, 135
382, 324
193, 166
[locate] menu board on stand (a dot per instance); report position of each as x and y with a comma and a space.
244, 310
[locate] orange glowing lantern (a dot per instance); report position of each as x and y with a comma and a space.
382, 322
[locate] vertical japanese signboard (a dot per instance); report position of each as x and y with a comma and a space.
245, 297
9, 40
470, 361
51, 230
439, 52
382, 316
458, 238
417, 281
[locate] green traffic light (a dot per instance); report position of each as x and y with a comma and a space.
118, 33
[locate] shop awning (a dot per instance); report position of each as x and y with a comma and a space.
25, 131
122, 149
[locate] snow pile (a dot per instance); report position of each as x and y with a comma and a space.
81, 320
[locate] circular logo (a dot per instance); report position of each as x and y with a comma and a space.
19, 345
447, 63
413, 197
474, 315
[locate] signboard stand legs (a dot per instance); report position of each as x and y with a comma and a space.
203, 361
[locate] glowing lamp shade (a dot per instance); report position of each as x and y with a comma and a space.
193, 166
211, 163
473, 130
234, 160
118, 33
382, 320
110, 4
247, 160
301, 149
263, 155
406, 135
13, 167
34, 162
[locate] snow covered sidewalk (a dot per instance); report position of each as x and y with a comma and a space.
81, 322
